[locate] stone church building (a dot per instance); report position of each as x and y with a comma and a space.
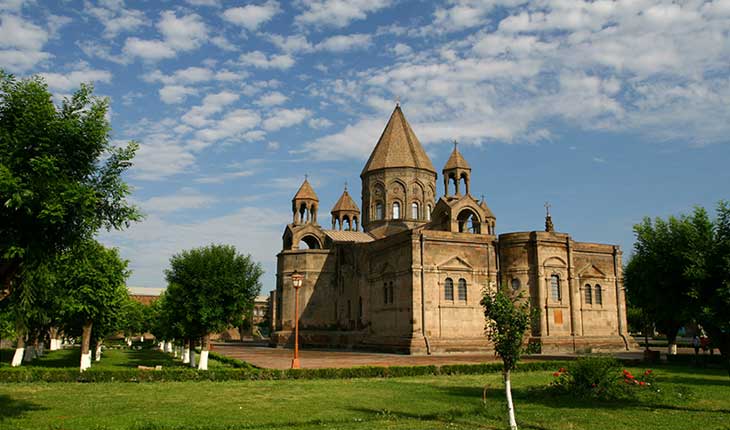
405, 271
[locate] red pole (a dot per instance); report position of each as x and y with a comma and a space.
295, 362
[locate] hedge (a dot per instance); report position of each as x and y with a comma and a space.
246, 372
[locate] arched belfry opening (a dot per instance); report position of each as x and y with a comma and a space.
305, 204
469, 222
309, 242
457, 172
345, 213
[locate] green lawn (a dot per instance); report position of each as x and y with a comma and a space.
111, 358
691, 398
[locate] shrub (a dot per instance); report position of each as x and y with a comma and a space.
599, 377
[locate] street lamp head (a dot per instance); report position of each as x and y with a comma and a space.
297, 279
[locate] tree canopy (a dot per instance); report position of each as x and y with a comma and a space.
60, 175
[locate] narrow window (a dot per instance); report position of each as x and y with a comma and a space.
428, 213
599, 295
349, 311
385, 293
589, 294
359, 309
391, 299
449, 289
396, 210
378, 210
414, 210
555, 287
462, 289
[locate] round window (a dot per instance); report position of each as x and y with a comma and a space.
516, 284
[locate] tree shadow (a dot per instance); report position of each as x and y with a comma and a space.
14, 408
689, 380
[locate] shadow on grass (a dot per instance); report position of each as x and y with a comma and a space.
13, 408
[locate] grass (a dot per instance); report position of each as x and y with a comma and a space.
111, 358
690, 398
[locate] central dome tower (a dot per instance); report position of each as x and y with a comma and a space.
398, 181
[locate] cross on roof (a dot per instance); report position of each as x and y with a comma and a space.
547, 208
397, 100
345, 185
455, 143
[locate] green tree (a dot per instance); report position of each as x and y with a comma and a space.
507, 320
60, 176
655, 277
91, 279
215, 286
708, 274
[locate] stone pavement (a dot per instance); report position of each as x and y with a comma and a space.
280, 358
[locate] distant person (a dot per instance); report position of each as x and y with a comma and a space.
696, 344
704, 342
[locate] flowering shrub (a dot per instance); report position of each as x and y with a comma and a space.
598, 377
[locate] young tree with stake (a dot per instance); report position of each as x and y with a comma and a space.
507, 320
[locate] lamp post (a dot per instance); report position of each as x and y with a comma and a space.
296, 280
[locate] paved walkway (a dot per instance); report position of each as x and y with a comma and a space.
280, 358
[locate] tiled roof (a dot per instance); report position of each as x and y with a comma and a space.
456, 160
348, 236
398, 146
345, 203
306, 192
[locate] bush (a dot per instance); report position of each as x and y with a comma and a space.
598, 377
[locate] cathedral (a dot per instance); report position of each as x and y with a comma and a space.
405, 271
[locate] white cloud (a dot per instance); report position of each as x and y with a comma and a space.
115, 17
272, 99
15, 60
214, 3
160, 156
173, 94
185, 198
212, 104
223, 177
284, 118
13, 5
147, 49
337, 13
342, 43
72, 80
291, 44
401, 49
223, 43
317, 123
233, 124
186, 33
260, 60
252, 16
20, 34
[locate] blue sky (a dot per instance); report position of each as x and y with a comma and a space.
609, 110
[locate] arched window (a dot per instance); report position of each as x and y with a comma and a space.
378, 210
385, 293
599, 295
309, 242
396, 210
391, 297
428, 213
516, 284
555, 287
462, 289
414, 210
589, 294
449, 289
468, 222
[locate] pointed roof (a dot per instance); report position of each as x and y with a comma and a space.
345, 204
398, 146
456, 160
306, 192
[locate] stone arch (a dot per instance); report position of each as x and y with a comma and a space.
468, 221
311, 241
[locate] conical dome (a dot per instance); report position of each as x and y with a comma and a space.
306, 192
456, 160
398, 146
345, 204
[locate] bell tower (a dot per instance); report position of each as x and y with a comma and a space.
345, 213
305, 204
454, 171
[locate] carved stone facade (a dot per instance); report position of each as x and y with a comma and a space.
411, 281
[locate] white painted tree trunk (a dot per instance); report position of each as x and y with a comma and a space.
55, 344
672, 349
191, 359
510, 405
141, 338
175, 351
18, 357
86, 346
161, 346
168, 346
186, 354
129, 341
41, 349
97, 353
204, 348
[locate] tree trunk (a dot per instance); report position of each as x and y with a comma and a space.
85, 346
29, 350
19, 351
510, 405
55, 342
191, 354
186, 351
203, 365
97, 353
672, 341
